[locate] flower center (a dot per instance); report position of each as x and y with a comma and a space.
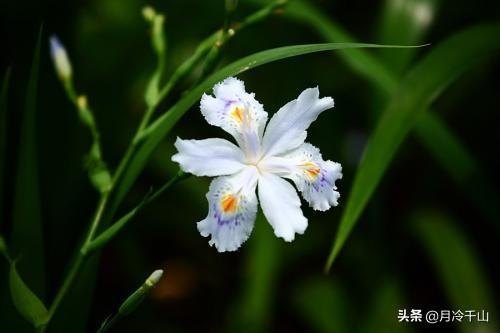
311, 170
229, 203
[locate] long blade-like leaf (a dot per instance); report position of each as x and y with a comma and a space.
418, 90
162, 126
26, 302
27, 235
3, 136
447, 150
458, 266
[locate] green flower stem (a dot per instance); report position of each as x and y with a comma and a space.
211, 44
133, 301
213, 56
174, 180
107, 235
95, 165
80, 256
184, 70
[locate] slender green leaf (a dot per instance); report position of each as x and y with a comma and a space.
157, 131
432, 133
458, 266
27, 235
359, 60
3, 136
25, 301
418, 90
370, 67
429, 127
406, 23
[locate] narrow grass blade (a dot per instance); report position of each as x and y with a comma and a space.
157, 131
418, 90
457, 266
359, 60
447, 150
27, 234
3, 136
381, 75
25, 301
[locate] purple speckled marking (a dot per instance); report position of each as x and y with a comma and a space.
322, 181
221, 221
229, 102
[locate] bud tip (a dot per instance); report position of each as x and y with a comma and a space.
149, 13
60, 58
154, 277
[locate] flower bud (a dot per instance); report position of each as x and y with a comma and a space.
148, 13
60, 59
154, 278
140, 294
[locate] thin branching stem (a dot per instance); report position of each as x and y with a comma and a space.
183, 71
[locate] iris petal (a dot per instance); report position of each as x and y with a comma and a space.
287, 128
281, 206
232, 207
209, 157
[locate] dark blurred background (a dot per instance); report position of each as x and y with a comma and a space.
396, 257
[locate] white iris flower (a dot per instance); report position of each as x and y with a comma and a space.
262, 160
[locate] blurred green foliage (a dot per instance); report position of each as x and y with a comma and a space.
399, 256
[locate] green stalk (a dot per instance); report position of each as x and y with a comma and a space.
80, 256
183, 71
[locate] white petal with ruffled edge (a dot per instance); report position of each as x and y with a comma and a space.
237, 112
232, 209
314, 177
209, 157
287, 128
281, 206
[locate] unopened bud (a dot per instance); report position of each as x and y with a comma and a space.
140, 294
60, 59
148, 13
154, 278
